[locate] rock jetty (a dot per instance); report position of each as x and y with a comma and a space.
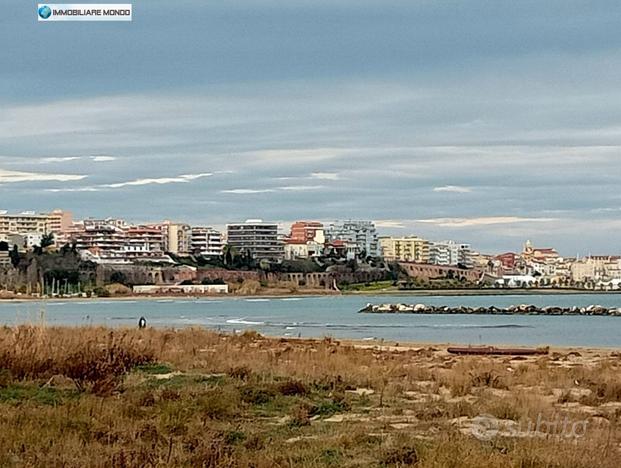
523, 309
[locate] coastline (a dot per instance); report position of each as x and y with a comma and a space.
316, 293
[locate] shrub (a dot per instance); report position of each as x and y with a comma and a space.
292, 388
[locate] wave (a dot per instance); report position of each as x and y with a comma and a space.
440, 326
244, 322
258, 300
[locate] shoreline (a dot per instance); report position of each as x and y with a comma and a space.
315, 293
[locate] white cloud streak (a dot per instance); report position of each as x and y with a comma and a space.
452, 189
9, 177
159, 181
482, 221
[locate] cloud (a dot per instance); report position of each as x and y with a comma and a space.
59, 159
74, 189
389, 223
185, 178
287, 188
482, 221
452, 189
103, 158
247, 191
16, 177
301, 188
325, 175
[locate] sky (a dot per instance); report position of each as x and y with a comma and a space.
488, 122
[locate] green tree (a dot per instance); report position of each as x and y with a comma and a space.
14, 255
47, 240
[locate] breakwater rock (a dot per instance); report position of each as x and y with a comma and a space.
523, 309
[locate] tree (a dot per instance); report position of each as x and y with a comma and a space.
47, 240
229, 253
14, 255
119, 277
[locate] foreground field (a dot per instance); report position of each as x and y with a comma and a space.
101, 397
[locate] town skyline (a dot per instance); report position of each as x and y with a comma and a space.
284, 227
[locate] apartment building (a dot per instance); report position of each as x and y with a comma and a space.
177, 237
405, 249
105, 236
206, 241
450, 253
259, 239
361, 233
59, 221
143, 241
306, 239
596, 268
25, 222
307, 231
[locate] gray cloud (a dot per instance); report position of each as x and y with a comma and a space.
491, 122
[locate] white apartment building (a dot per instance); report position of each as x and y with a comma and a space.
450, 253
206, 241
258, 238
361, 233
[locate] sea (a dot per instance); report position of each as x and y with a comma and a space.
338, 317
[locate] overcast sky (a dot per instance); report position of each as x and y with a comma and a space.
487, 122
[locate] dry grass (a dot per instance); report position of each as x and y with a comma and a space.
96, 397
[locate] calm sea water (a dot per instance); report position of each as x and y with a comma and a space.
337, 316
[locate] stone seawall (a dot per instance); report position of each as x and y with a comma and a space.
511, 310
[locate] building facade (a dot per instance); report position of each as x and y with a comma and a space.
206, 241
24, 223
362, 234
405, 249
177, 237
450, 253
257, 238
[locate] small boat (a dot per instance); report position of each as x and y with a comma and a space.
493, 350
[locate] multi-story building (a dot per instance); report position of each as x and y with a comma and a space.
508, 262
450, 253
206, 241
143, 241
307, 231
24, 223
59, 221
361, 233
259, 239
177, 237
405, 249
24, 241
99, 236
112, 240
5, 258
596, 268
306, 239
